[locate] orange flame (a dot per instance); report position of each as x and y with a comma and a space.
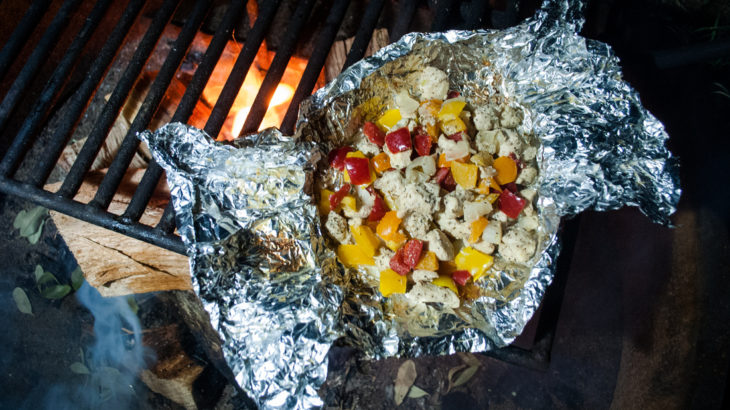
282, 95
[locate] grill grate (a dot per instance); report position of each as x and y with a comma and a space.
23, 132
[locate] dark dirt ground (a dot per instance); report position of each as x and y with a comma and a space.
643, 323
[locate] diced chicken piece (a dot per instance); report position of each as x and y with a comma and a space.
398, 160
432, 83
517, 245
526, 176
529, 153
474, 209
420, 198
484, 247
364, 145
453, 149
391, 183
500, 216
528, 194
440, 244
425, 116
485, 118
528, 222
428, 292
492, 233
417, 225
354, 222
487, 141
509, 143
457, 229
510, 117
424, 276
382, 259
421, 169
454, 201
336, 225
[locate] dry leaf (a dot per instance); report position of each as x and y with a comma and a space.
22, 301
417, 392
403, 382
466, 375
79, 368
469, 359
451, 374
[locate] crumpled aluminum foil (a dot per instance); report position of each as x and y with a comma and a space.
260, 264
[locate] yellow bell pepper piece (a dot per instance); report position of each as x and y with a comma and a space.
464, 174
451, 109
389, 119
452, 126
349, 202
365, 239
474, 261
352, 256
324, 201
446, 282
477, 227
391, 282
506, 170
428, 262
492, 198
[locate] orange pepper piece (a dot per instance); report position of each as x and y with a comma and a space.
444, 163
465, 174
477, 227
428, 262
381, 162
506, 170
388, 228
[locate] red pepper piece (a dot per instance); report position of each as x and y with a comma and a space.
412, 252
519, 162
379, 209
511, 187
511, 204
423, 144
397, 263
359, 170
337, 157
457, 136
445, 179
336, 198
398, 140
374, 134
452, 94
460, 276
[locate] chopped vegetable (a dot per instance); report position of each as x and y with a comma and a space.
390, 118
511, 204
337, 157
392, 282
348, 202
324, 201
412, 252
456, 137
473, 261
460, 276
388, 227
428, 262
359, 171
365, 239
452, 126
423, 144
451, 109
465, 174
374, 134
445, 179
379, 208
398, 264
506, 170
337, 197
381, 162
352, 255
398, 140
492, 197
477, 227
446, 282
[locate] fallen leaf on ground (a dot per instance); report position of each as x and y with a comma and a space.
22, 301
417, 392
79, 368
404, 380
30, 223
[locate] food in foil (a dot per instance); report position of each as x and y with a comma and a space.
435, 188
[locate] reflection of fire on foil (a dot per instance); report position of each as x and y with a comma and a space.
274, 293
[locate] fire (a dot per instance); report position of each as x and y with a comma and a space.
282, 95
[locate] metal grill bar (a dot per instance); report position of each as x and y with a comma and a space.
315, 64
442, 15
403, 21
151, 177
104, 123
276, 70
34, 120
364, 32
21, 33
92, 215
129, 145
240, 69
167, 222
36, 59
76, 104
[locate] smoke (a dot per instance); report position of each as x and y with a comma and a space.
113, 361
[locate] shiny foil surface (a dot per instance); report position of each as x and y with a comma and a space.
264, 271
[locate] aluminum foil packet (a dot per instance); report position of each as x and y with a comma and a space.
261, 265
